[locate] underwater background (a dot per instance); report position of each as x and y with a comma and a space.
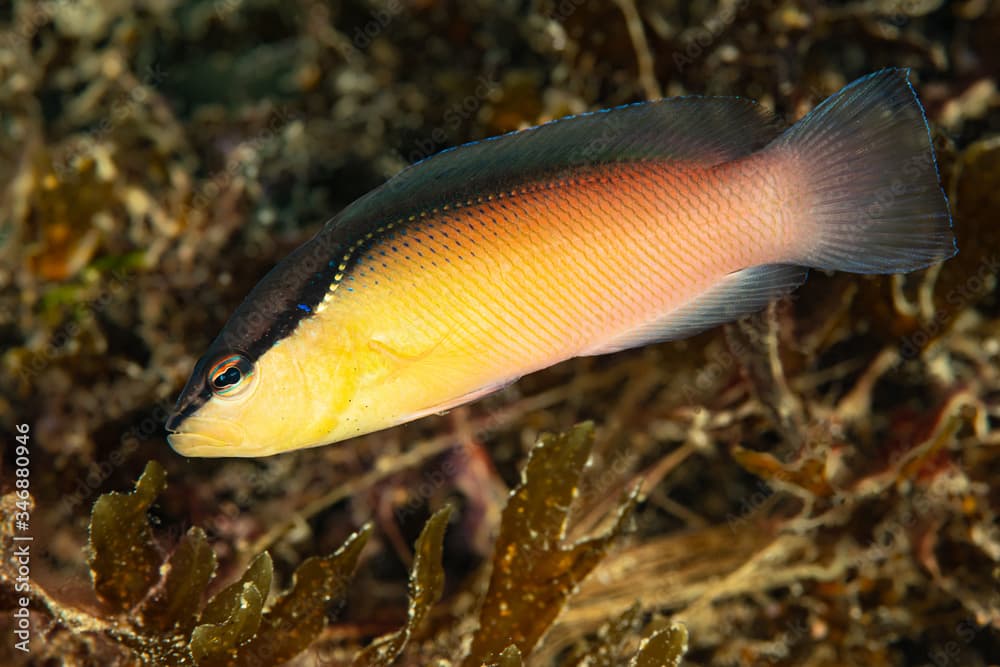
815, 485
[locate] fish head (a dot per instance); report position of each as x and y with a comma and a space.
286, 399
276, 378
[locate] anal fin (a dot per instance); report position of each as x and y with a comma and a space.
738, 294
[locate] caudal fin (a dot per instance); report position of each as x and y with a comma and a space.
877, 203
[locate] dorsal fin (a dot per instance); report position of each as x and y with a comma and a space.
699, 130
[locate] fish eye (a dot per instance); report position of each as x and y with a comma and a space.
230, 375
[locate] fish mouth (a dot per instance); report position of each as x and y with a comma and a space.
194, 445
203, 436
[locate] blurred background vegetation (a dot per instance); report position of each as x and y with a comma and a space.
818, 483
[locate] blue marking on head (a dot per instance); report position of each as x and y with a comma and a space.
304, 307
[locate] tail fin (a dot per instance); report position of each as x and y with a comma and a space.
878, 204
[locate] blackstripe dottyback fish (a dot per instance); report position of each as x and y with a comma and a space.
582, 236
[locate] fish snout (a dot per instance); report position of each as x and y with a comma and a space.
203, 436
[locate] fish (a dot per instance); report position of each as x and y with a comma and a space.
582, 236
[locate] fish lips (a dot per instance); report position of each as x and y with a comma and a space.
204, 436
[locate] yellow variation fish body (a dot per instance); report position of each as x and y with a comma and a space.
580, 237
